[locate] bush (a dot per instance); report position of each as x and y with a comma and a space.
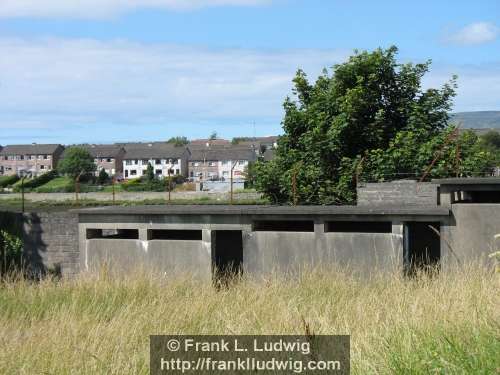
11, 249
8, 180
103, 177
37, 181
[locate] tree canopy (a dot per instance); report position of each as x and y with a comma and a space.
178, 141
77, 161
370, 118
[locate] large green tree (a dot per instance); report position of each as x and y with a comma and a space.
369, 118
77, 161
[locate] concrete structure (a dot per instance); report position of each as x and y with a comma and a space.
402, 193
35, 159
215, 163
259, 240
256, 239
164, 157
50, 241
107, 157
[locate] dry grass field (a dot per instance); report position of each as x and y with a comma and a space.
446, 324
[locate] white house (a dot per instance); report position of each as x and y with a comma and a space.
164, 157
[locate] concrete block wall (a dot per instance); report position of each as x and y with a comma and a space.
405, 193
51, 242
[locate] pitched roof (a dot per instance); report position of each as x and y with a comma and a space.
203, 142
100, 151
222, 153
153, 150
32, 149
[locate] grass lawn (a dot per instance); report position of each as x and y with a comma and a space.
447, 324
58, 184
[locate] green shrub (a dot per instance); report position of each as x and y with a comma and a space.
37, 181
8, 180
11, 251
103, 177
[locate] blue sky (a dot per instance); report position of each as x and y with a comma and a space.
117, 70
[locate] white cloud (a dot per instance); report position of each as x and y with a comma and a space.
105, 8
60, 83
78, 90
475, 33
478, 85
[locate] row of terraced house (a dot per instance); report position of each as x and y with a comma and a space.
200, 160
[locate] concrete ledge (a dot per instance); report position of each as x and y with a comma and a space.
266, 210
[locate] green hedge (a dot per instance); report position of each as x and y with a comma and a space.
37, 181
8, 180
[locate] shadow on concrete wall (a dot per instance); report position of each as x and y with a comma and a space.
35, 247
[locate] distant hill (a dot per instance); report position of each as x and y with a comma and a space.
477, 120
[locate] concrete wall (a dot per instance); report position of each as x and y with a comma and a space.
265, 252
397, 193
470, 234
165, 257
51, 242
131, 196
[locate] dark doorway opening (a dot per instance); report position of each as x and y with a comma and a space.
422, 246
227, 255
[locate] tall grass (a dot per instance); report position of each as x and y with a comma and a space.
447, 323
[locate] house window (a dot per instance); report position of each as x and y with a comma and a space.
196, 164
225, 162
157, 161
177, 171
241, 162
45, 157
128, 162
133, 172
211, 164
145, 161
136, 162
158, 172
42, 166
109, 160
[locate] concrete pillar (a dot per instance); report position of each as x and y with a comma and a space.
144, 234
398, 243
320, 252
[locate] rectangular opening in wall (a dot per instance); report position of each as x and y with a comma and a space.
113, 234
358, 227
422, 245
227, 255
283, 226
174, 234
